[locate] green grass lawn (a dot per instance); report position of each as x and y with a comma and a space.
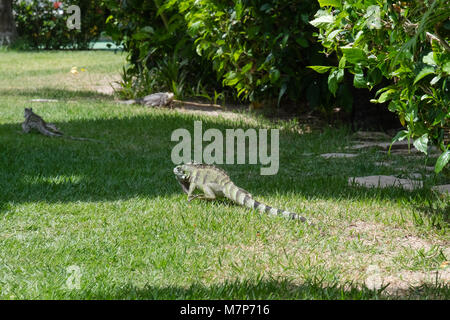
115, 211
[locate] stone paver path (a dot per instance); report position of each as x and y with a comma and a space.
384, 182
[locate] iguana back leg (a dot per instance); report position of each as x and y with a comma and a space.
53, 127
47, 132
209, 193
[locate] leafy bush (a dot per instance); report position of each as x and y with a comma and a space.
41, 24
406, 42
161, 55
258, 49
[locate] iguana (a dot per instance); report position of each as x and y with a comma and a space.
158, 99
215, 182
34, 121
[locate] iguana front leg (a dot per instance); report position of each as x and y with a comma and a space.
191, 190
208, 192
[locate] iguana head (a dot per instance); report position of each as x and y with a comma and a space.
28, 111
182, 173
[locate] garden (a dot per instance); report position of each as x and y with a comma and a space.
354, 98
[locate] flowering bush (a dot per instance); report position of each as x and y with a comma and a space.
41, 24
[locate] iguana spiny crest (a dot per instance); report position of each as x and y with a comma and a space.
215, 183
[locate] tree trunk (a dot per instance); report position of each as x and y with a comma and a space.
8, 32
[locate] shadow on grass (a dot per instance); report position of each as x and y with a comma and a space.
58, 94
135, 160
264, 289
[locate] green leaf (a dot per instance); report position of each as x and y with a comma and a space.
375, 76
333, 34
429, 59
230, 75
247, 67
330, 3
342, 62
231, 82
322, 21
354, 55
333, 82
401, 135
446, 67
282, 92
359, 81
274, 75
236, 55
435, 80
385, 96
423, 73
200, 47
394, 106
442, 161
339, 75
320, 69
421, 144
196, 26
285, 40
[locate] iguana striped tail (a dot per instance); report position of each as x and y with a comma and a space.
244, 198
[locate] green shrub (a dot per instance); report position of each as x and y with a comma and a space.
41, 24
259, 48
406, 42
251, 50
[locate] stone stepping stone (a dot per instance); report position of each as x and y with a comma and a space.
384, 182
338, 155
372, 135
419, 176
406, 152
399, 145
444, 188
415, 175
